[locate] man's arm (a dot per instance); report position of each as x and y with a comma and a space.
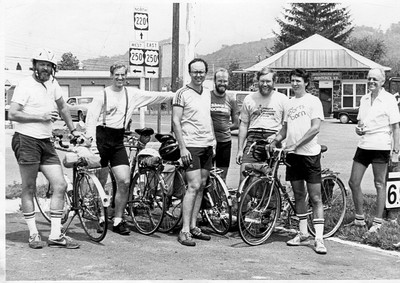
15, 113
177, 112
64, 113
235, 121
144, 98
92, 116
396, 145
308, 136
243, 128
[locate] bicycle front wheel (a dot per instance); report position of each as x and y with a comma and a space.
259, 210
43, 196
92, 213
173, 205
334, 201
219, 211
147, 201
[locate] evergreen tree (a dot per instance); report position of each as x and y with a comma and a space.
303, 20
68, 62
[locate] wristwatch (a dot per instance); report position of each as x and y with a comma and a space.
396, 151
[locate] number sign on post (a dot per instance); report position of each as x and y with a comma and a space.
144, 59
393, 190
141, 23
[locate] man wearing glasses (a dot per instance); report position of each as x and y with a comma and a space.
194, 132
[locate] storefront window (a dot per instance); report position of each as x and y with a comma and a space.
352, 93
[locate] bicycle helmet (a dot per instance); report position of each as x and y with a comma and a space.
169, 151
44, 54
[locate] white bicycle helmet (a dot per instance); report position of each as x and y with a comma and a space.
44, 54
149, 152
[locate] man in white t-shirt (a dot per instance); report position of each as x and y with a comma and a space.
303, 118
37, 102
261, 117
107, 128
194, 132
378, 128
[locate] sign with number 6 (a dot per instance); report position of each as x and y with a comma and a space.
393, 190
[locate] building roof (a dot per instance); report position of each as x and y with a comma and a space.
316, 52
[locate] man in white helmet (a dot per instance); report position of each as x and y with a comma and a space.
37, 102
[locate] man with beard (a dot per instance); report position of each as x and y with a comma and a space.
261, 117
36, 104
378, 128
107, 119
193, 130
224, 114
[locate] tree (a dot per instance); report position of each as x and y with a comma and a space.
68, 62
303, 20
370, 47
235, 80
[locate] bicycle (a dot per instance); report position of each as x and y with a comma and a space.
87, 199
217, 202
261, 202
146, 201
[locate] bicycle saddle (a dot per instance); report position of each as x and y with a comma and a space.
145, 131
164, 137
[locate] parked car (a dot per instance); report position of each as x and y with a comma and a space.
78, 106
346, 114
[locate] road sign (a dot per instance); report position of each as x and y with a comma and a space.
137, 71
141, 23
151, 72
393, 190
146, 55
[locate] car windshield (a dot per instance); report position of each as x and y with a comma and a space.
85, 100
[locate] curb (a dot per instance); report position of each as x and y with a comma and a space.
355, 244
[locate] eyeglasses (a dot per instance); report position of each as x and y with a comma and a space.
198, 73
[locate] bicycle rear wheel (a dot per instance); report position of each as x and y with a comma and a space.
43, 196
334, 201
147, 201
219, 212
92, 213
173, 205
259, 210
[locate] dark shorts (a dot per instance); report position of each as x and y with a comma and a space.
29, 150
366, 156
304, 167
252, 136
201, 158
110, 143
223, 154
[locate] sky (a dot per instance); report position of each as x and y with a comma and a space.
94, 28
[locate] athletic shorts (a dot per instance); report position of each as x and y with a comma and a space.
252, 136
29, 150
201, 158
303, 167
367, 156
223, 154
110, 143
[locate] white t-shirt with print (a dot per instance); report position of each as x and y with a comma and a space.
299, 113
36, 99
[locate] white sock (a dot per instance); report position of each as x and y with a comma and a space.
30, 220
55, 219
319, 228
117, 220
303, 224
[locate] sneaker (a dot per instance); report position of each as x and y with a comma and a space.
198, 234
121, 229
63, 242
185, 238
320, 247
356, 225
35, 242
300, 240
374, 229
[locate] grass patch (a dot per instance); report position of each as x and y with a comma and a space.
388, 235
14, 190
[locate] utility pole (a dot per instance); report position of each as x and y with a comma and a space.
175, 48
